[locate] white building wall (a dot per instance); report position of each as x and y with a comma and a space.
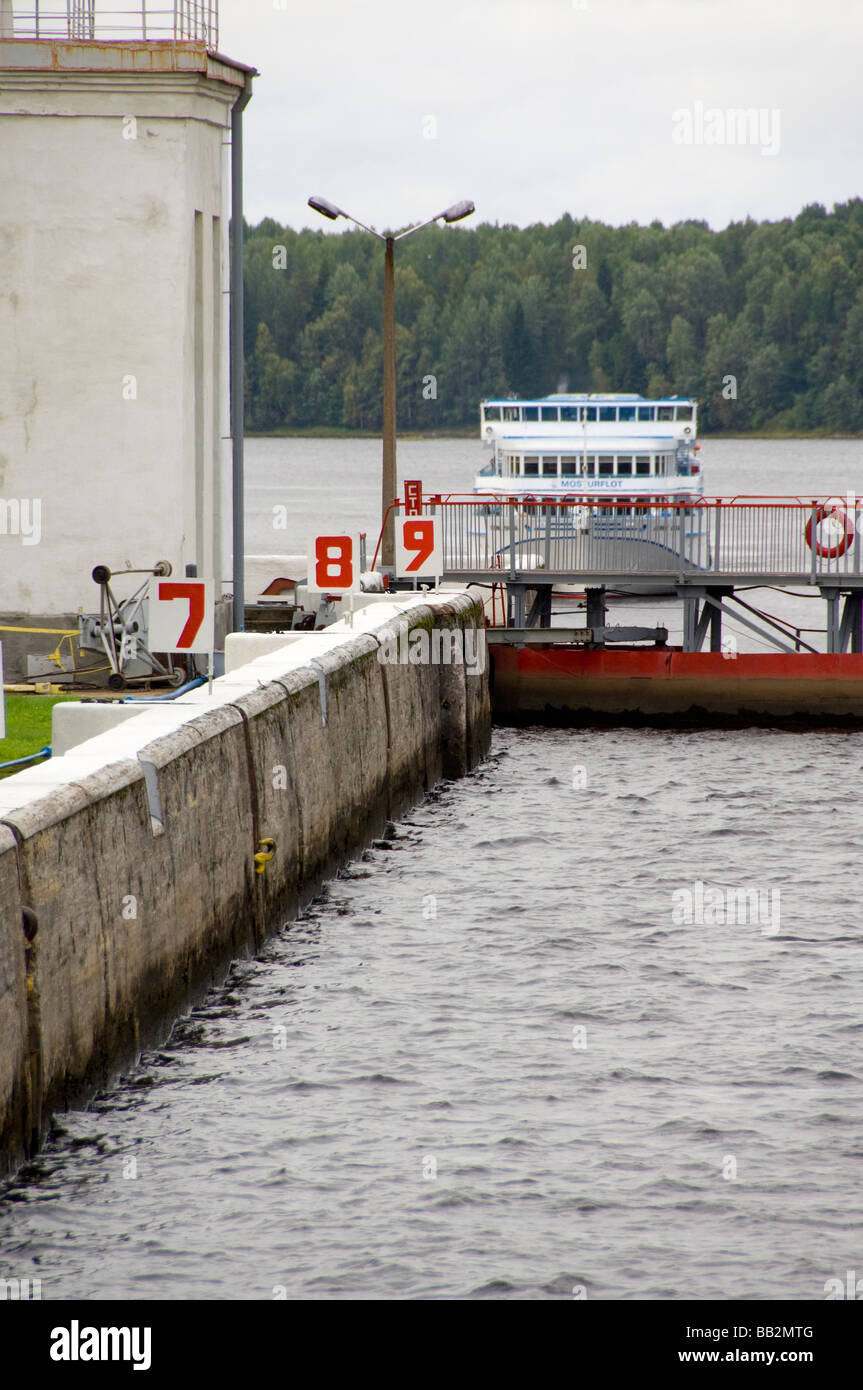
113, 317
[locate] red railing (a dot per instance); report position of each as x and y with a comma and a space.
796, 539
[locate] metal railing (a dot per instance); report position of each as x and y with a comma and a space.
799, 540
88, 21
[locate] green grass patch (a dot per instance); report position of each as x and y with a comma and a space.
28, 727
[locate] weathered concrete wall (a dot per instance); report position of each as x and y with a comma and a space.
135, 850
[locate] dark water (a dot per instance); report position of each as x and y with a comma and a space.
489, 1062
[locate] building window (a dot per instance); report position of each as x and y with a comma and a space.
684, 412
530, 412
646, 412
642, 464
531, 465
549, 466
492, 412
549, 412
608, 413
626, 412
624, 464
568, 465
606, 465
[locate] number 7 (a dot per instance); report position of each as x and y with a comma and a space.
195, 594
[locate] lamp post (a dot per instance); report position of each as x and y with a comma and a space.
389, 477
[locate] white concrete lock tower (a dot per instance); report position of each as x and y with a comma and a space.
115, 427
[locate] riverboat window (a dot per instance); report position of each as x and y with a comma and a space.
642, 464
589, 464
626, 412
530, 412
684, 412
531, 464
624, 463
645, 412
665, 412
549, 466
568, 464
492, 412
606, 465
513, 461
588, 412
549, 412
569, 412
511, 413
608, 412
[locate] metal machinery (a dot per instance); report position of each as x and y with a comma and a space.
119, 631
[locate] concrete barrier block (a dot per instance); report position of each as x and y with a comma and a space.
74, 723
244, 648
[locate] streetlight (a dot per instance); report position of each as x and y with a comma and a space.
389, 478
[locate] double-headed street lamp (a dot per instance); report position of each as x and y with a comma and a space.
389, 480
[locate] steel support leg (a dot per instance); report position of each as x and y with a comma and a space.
851, 627
540, 609
516, 605
831, 597
595, 607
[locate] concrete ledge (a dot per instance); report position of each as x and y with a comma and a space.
136, 849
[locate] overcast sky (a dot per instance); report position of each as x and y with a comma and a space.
533, 108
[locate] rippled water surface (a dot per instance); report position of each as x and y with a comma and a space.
488, 1062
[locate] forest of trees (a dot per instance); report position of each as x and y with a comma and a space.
762, 321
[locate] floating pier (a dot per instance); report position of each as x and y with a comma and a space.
702, 554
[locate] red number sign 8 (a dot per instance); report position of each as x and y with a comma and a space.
334, 571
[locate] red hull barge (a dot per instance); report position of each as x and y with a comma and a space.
666, 686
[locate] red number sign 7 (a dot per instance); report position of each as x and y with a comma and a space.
195, 594
419, 537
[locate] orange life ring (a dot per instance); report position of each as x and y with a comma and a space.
830, 552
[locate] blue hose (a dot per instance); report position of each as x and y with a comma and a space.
129, 700
169, 694
32, 758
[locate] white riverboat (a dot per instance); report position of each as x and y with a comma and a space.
594, 446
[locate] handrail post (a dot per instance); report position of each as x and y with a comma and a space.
680, 524
814, 546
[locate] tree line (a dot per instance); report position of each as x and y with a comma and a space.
761, 321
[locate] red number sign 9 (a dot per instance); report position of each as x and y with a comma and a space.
418, 537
